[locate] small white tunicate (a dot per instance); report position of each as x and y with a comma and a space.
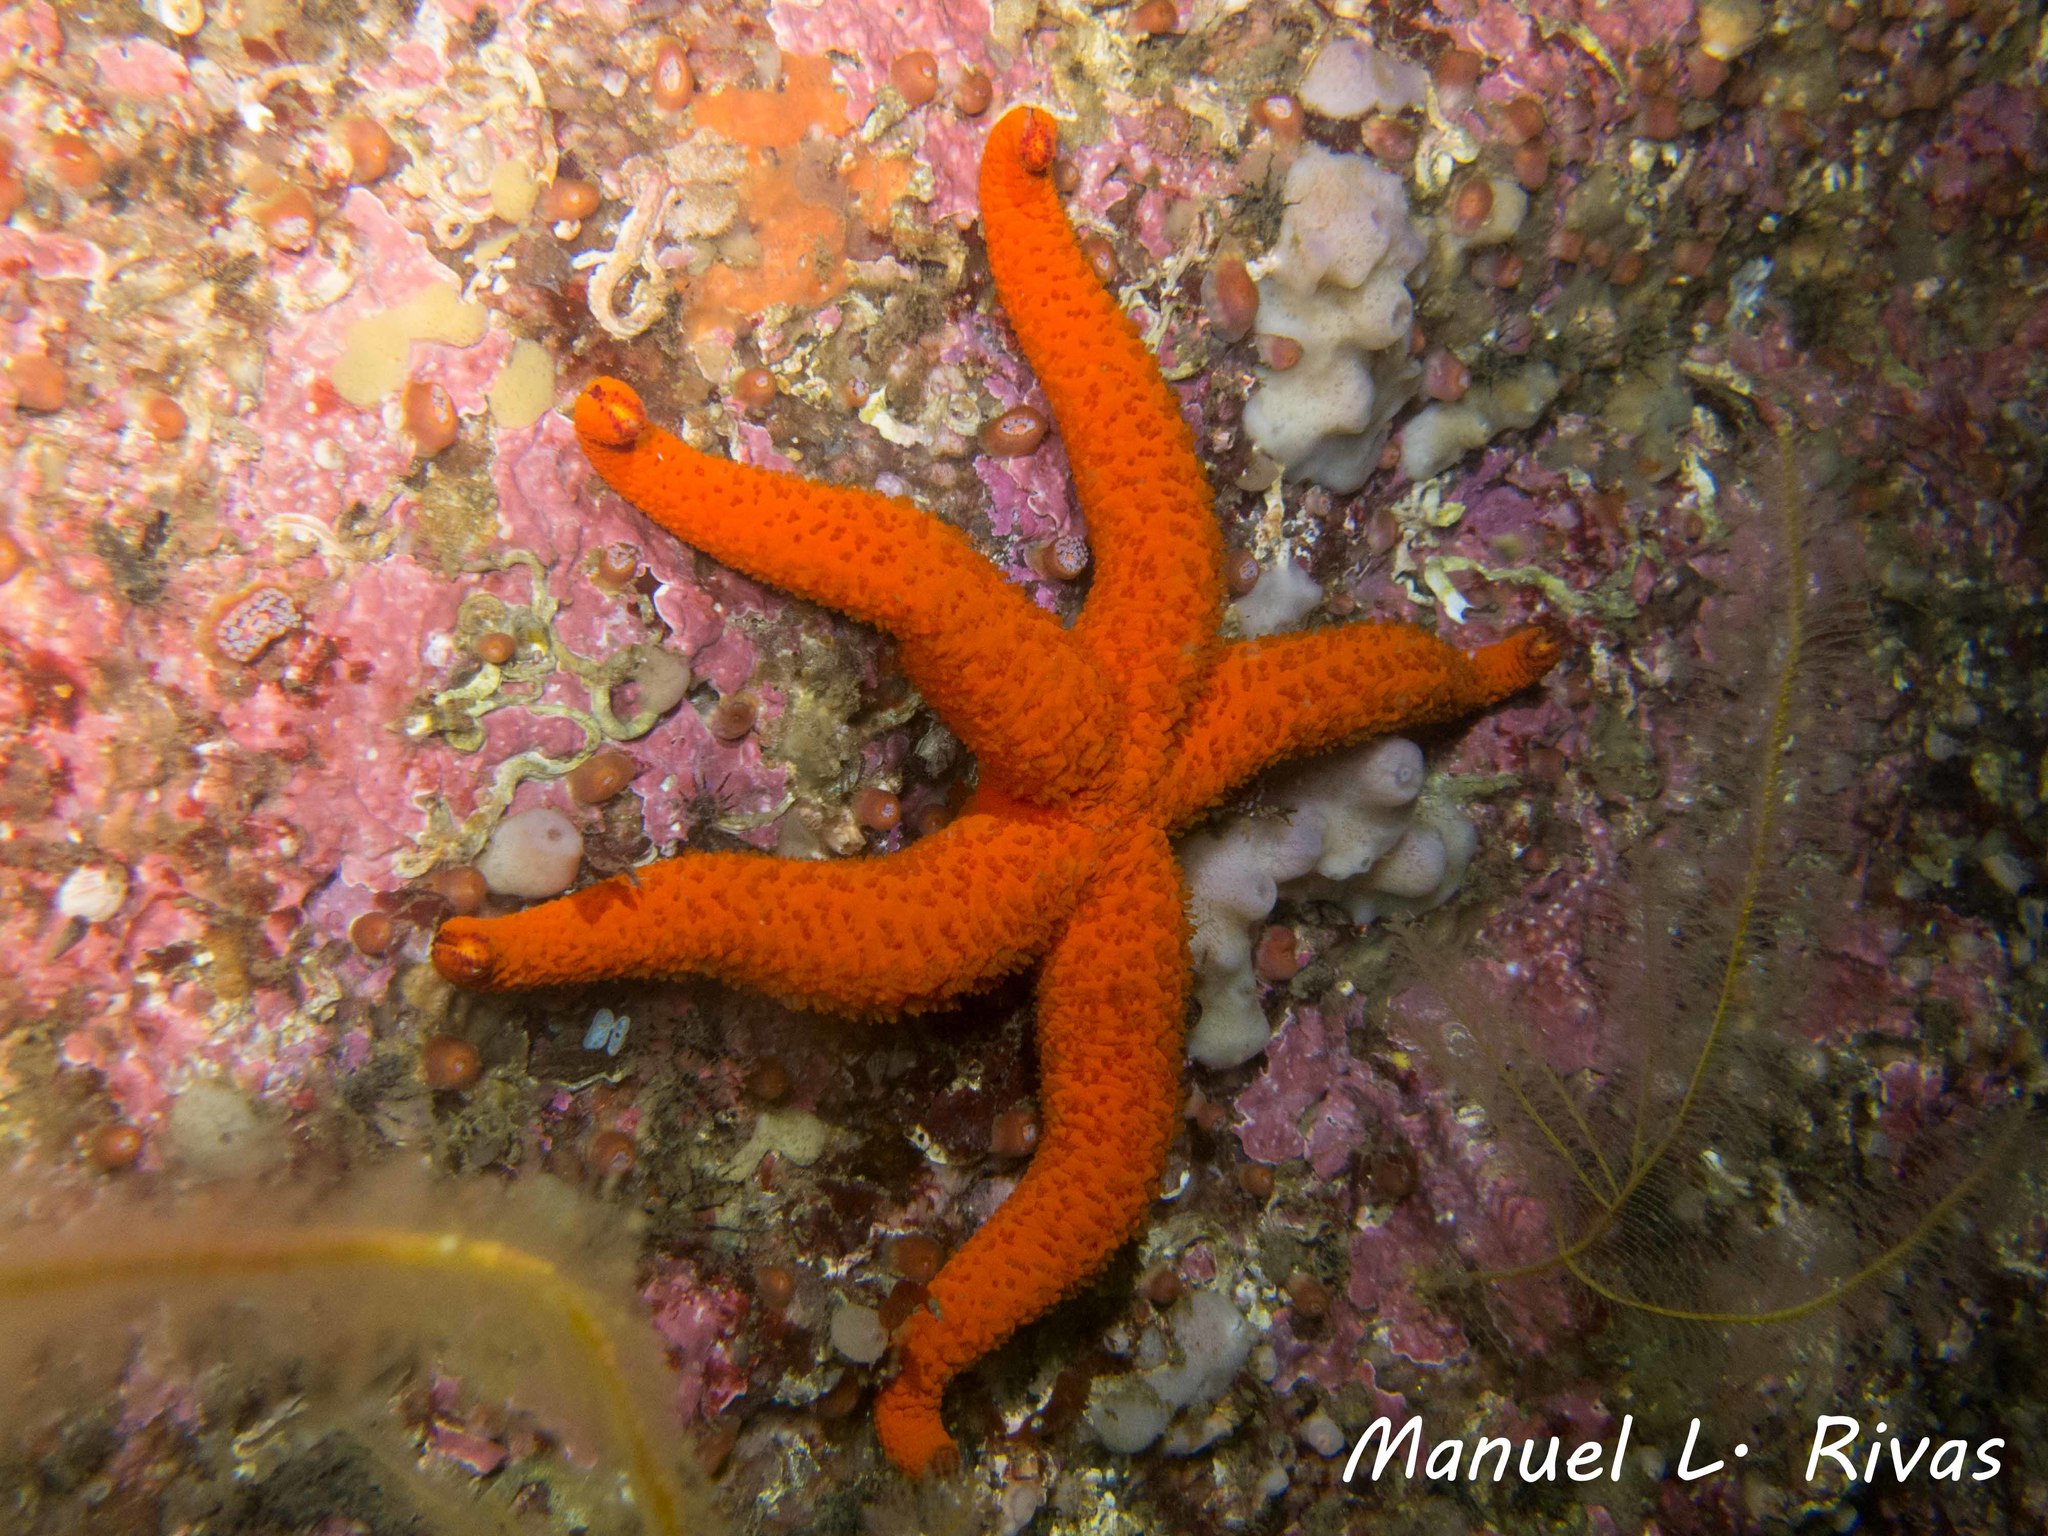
93, 893
181, 18
1284, 595
1509, 206
1350, 79
1126, 1414
1319, 1432
1213, 1340
1020, 1501
2007, 870
607, 1032
858, 1334
534, 853
1729, 28
1438, 435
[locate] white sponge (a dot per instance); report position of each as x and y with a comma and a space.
1184, 1374
1346, 219
1344, 829
1234, 876
1413, 867
1336, 284
1233, 1025
1437, 436
1363, 799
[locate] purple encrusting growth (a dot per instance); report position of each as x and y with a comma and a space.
699, 1321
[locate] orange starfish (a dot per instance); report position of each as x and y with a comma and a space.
1094, 743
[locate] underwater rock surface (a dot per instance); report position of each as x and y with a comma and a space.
1725, 356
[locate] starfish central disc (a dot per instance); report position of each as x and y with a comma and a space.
1093, 745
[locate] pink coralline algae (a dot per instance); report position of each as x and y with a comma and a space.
873, 37
141, 69
1127, 167
32, 32
306, 601
1313, 1101
320, 454
1316, 1102
698, 1320
1544, 44
1029, 497
549, 504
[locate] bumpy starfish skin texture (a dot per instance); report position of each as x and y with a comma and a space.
1094, 744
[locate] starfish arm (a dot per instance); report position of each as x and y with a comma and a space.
1294, 694
1111, 1006
1158, 588
1020, 691
899, 932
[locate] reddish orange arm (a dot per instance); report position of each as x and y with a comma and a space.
1019, 690
1296, 694
1110, 1007
902, 932
1158, 589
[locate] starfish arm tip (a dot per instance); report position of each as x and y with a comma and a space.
609, 414
463, 958
912, 1433
1038, 141
1510, 665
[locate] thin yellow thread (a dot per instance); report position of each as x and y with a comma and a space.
1592, 1142
1889, 1259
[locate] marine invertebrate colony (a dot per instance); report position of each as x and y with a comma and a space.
1094, 745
